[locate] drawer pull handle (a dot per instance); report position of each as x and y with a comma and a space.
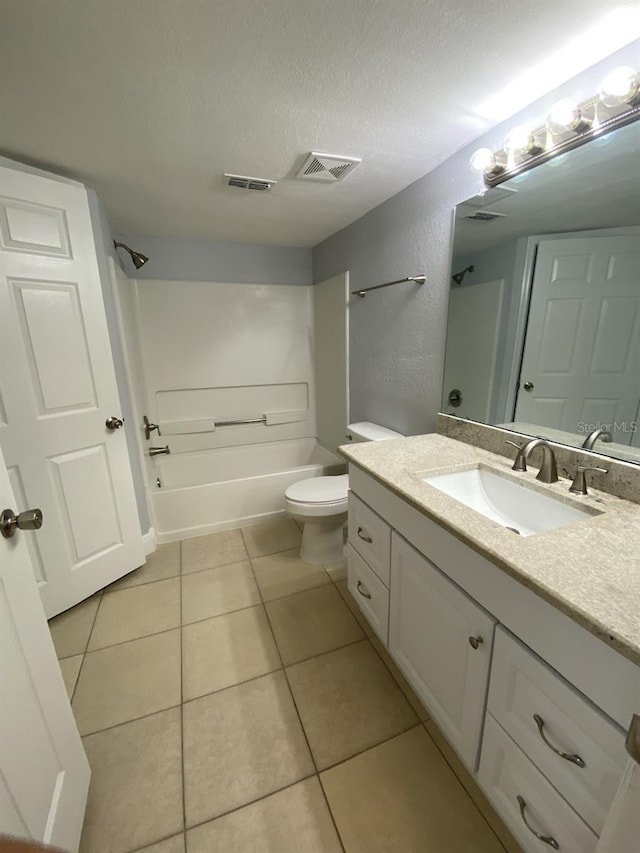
364, 538
546, 839
360, 587
475, 642
574, 759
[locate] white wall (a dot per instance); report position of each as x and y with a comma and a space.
223, 351
330, 318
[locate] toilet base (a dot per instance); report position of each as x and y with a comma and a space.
323, 540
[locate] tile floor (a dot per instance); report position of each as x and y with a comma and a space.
231, 698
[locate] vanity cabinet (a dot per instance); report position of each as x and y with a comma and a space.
442, 641
534, 705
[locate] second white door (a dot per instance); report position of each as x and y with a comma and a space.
57, 389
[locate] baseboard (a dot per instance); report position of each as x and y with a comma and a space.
150, 541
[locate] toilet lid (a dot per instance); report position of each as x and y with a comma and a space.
320, 489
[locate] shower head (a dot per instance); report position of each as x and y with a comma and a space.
458, 277
139, 260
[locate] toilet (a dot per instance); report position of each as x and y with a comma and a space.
320, 503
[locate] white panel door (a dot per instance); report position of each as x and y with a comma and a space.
442, 640
582, 349
44, 773
57, 388
475, 315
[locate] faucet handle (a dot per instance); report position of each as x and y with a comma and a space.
579, 485
520, 463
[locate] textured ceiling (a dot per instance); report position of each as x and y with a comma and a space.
150, 101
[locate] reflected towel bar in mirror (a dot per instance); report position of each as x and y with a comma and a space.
419, 279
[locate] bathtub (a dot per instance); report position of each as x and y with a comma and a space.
204, 492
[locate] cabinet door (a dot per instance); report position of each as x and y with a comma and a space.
441, 639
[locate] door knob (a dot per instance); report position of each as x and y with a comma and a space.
475, 642
30, 519
528, 386
113, 423
455, 398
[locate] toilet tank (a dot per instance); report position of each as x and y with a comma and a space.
366, 431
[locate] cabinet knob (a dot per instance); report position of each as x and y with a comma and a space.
475, 642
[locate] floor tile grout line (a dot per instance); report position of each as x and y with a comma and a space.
262, 602
184, 799
137, 586
275, 641
250, 803
246, 559
464, 787
159, 841
186, 701
134, 639
84, 653
132, 720
295, 705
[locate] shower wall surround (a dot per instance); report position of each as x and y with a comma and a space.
220, 351
204, 352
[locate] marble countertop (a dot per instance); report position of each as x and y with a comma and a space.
589, 569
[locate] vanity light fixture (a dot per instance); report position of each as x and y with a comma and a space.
567, 126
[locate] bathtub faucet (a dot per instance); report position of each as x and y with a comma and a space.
159, 451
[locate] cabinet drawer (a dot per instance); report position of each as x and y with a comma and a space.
522, 686
370, 536
506, 774
372, 595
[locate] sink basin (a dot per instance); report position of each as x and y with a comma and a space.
515, 506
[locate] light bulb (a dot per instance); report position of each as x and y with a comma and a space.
566, 116
620, 86
481, 159
517, 139
562, 115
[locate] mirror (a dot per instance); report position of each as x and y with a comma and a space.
543, 332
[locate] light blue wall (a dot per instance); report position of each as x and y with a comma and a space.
397, 335
179, 259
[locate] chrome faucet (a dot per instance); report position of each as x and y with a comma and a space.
602, 434
548, 472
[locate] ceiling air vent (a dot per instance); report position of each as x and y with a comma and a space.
243, 182
327, 167
485, 216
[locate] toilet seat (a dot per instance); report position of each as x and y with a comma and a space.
319, 496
